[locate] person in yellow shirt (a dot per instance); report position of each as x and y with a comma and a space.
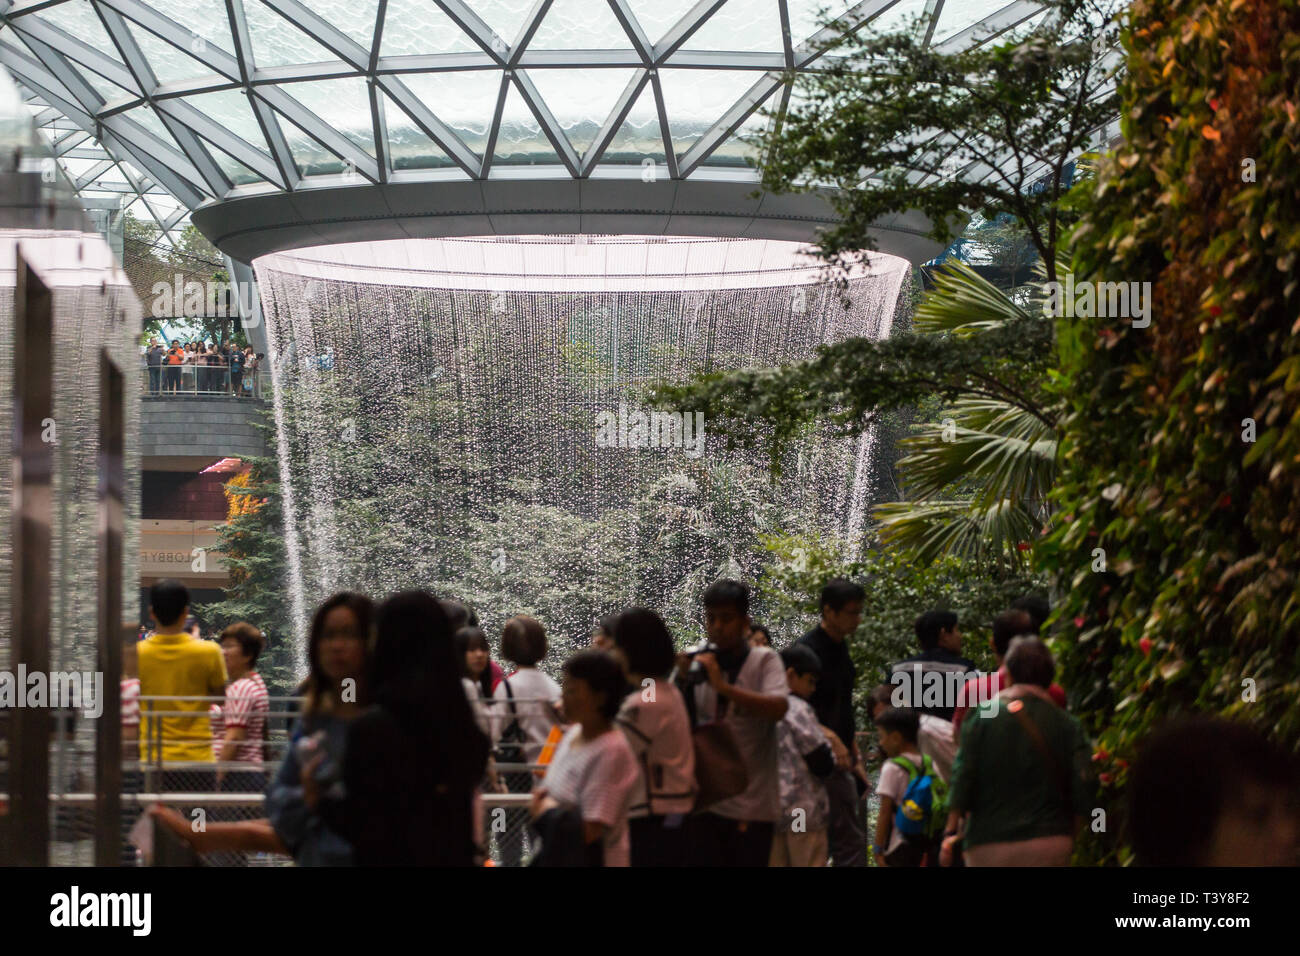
173, 663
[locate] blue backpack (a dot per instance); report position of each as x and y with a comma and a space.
923, 810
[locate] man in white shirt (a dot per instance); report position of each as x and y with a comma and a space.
745, 688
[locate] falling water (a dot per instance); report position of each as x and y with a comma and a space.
862, 490
437, 406
297, 607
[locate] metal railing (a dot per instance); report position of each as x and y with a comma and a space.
149, 778
169, 381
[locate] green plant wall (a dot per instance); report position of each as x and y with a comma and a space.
1180, 459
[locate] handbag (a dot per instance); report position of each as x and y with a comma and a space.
510, 748
719, 766
560, 831
720, 771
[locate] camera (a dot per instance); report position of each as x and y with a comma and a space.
696, 674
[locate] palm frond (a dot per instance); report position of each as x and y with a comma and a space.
963, 302
933, 529
1010, 453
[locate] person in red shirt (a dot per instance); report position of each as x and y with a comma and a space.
1007, 625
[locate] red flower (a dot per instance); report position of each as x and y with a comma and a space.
1214, 105
1022, 546
1225, 501
1145, 645
1104, 778
1101, 754
1215, 311
1078, 622
1122, 763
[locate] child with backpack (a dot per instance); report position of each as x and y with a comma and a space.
913, 797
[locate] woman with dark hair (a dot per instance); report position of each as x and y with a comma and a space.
472, 650
334, 695
462, 615
602, 638
472, 646
653, 717
415, 758
593, 772
334, 698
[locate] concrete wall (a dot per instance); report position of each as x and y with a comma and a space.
201, 427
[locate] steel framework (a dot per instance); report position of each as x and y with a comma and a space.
183, 103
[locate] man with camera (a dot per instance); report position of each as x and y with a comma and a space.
742, 687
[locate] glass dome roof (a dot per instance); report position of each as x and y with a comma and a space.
196, 101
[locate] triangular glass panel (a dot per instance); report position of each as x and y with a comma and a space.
75, 17
146, 117
341, 105
807, 18
169, 63
639, 137
657, 17
506, 17
409, 147
957, 15
580, 25
581, 100
311, 158
747, 26
230, 110
160, 208
106, 88
417, 27
77, 167
277, 42
236, 172
465, 101
520, 140
734, 150
1022, 29
205, 20
356, 18
696, 99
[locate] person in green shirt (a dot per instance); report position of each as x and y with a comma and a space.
1021, 779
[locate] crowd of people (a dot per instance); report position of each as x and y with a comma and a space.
201, 367
731, 753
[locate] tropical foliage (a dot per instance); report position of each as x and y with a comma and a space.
252, 546
148, 260
974, 480
999, 436
1179, 490
1002, 124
